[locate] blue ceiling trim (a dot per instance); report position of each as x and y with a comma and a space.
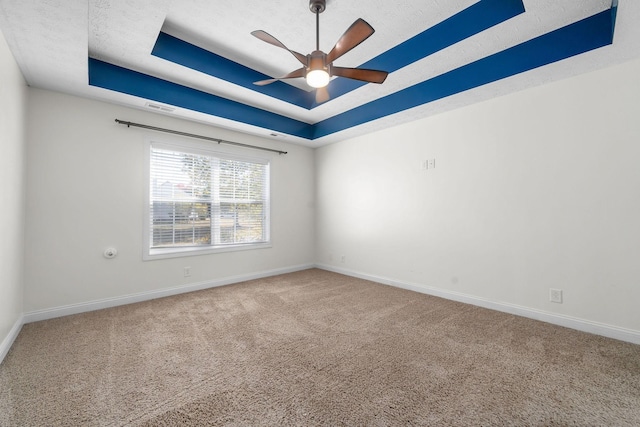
179, 51
472, 20
585, 35
112, 77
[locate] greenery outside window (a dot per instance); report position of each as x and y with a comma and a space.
202, 201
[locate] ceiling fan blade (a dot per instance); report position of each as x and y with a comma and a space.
358, 32
292, 75
371, 76
266, 37
322, 95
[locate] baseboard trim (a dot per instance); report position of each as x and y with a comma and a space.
10, 338
51, 313
610, 331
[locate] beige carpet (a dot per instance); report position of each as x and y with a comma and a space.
314, 348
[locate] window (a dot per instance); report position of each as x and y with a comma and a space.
201, 201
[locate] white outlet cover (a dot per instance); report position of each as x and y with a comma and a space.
555, 295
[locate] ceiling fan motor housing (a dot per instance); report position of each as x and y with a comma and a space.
316, 60
317, 71
317, 5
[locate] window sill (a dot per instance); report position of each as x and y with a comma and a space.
163, 253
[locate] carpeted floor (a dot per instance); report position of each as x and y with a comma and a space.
314, 348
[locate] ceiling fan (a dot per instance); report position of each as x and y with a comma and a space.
317, 67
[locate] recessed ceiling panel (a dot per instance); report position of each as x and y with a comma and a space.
198, 58
587, 34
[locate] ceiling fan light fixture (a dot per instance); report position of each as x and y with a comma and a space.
318, 78
317, 71
317, 67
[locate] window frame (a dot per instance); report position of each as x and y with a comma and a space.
198, 148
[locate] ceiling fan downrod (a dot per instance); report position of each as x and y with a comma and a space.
317, 7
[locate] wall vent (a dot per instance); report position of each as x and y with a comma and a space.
159, 107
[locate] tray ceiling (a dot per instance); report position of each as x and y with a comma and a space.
196, 59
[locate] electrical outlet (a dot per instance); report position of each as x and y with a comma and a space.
187, 272
555, 295
343, 259
427, 164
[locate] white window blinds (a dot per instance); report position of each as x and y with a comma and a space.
202, 200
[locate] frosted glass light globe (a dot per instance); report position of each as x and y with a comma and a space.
318, 78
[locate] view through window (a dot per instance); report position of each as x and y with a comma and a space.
201, 200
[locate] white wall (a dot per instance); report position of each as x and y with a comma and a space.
86, 192
13, 100
536, 190
533, 190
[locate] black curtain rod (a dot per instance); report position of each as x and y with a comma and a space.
192, 135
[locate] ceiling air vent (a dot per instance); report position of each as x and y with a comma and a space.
158, 107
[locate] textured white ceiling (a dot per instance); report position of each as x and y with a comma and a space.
52, 39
